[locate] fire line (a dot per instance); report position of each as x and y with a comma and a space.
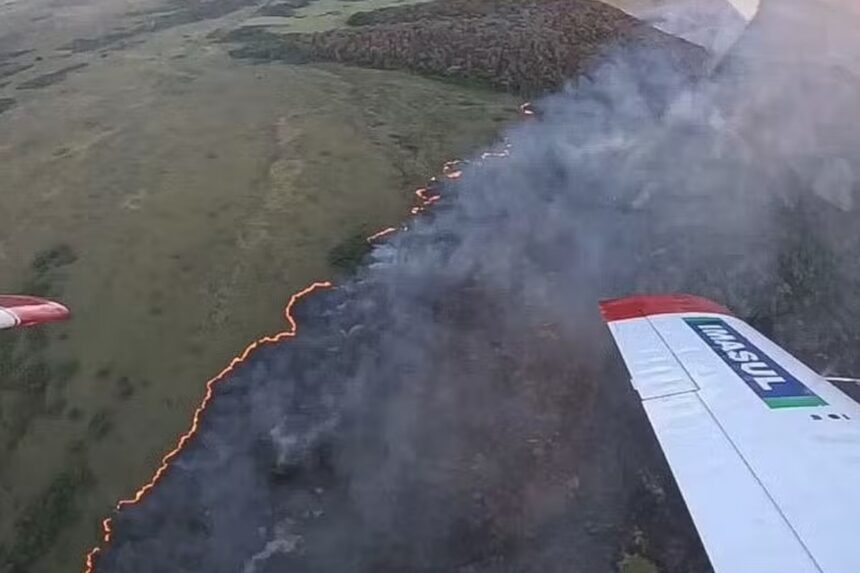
290, 332
379, 234
426, 198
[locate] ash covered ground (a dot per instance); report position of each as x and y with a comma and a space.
457, 405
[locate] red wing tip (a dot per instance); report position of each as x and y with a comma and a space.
646, 305
30, 310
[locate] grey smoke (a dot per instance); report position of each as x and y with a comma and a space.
457, 405
714, 24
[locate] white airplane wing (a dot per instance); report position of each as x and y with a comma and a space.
766, 452
17, 310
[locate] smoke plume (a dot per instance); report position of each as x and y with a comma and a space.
458, 406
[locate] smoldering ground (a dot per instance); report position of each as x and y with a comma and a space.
457, 405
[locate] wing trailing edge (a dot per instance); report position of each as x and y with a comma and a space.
765, 452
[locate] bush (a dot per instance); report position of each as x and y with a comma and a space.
347, 255
100, 425
54, 257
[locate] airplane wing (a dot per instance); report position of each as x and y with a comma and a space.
16, 310
766, 452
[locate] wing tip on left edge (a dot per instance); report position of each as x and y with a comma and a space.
31, 310
638, 306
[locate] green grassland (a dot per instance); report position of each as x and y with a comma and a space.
174, 198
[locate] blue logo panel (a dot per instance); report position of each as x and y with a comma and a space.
770, 381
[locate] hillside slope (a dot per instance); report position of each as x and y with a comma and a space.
522, 47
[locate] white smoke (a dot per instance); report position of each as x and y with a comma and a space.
457, 406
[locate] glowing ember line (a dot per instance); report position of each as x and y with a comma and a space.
290, 332
426, 198
425, 195
489, 154
380, 234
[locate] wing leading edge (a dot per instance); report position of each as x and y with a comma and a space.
16, 310
766, 452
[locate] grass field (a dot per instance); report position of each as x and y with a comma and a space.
321, 15
174, 198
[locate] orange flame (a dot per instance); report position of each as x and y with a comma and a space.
292, 329
426, 198
379, 234
451, 169
489, 154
